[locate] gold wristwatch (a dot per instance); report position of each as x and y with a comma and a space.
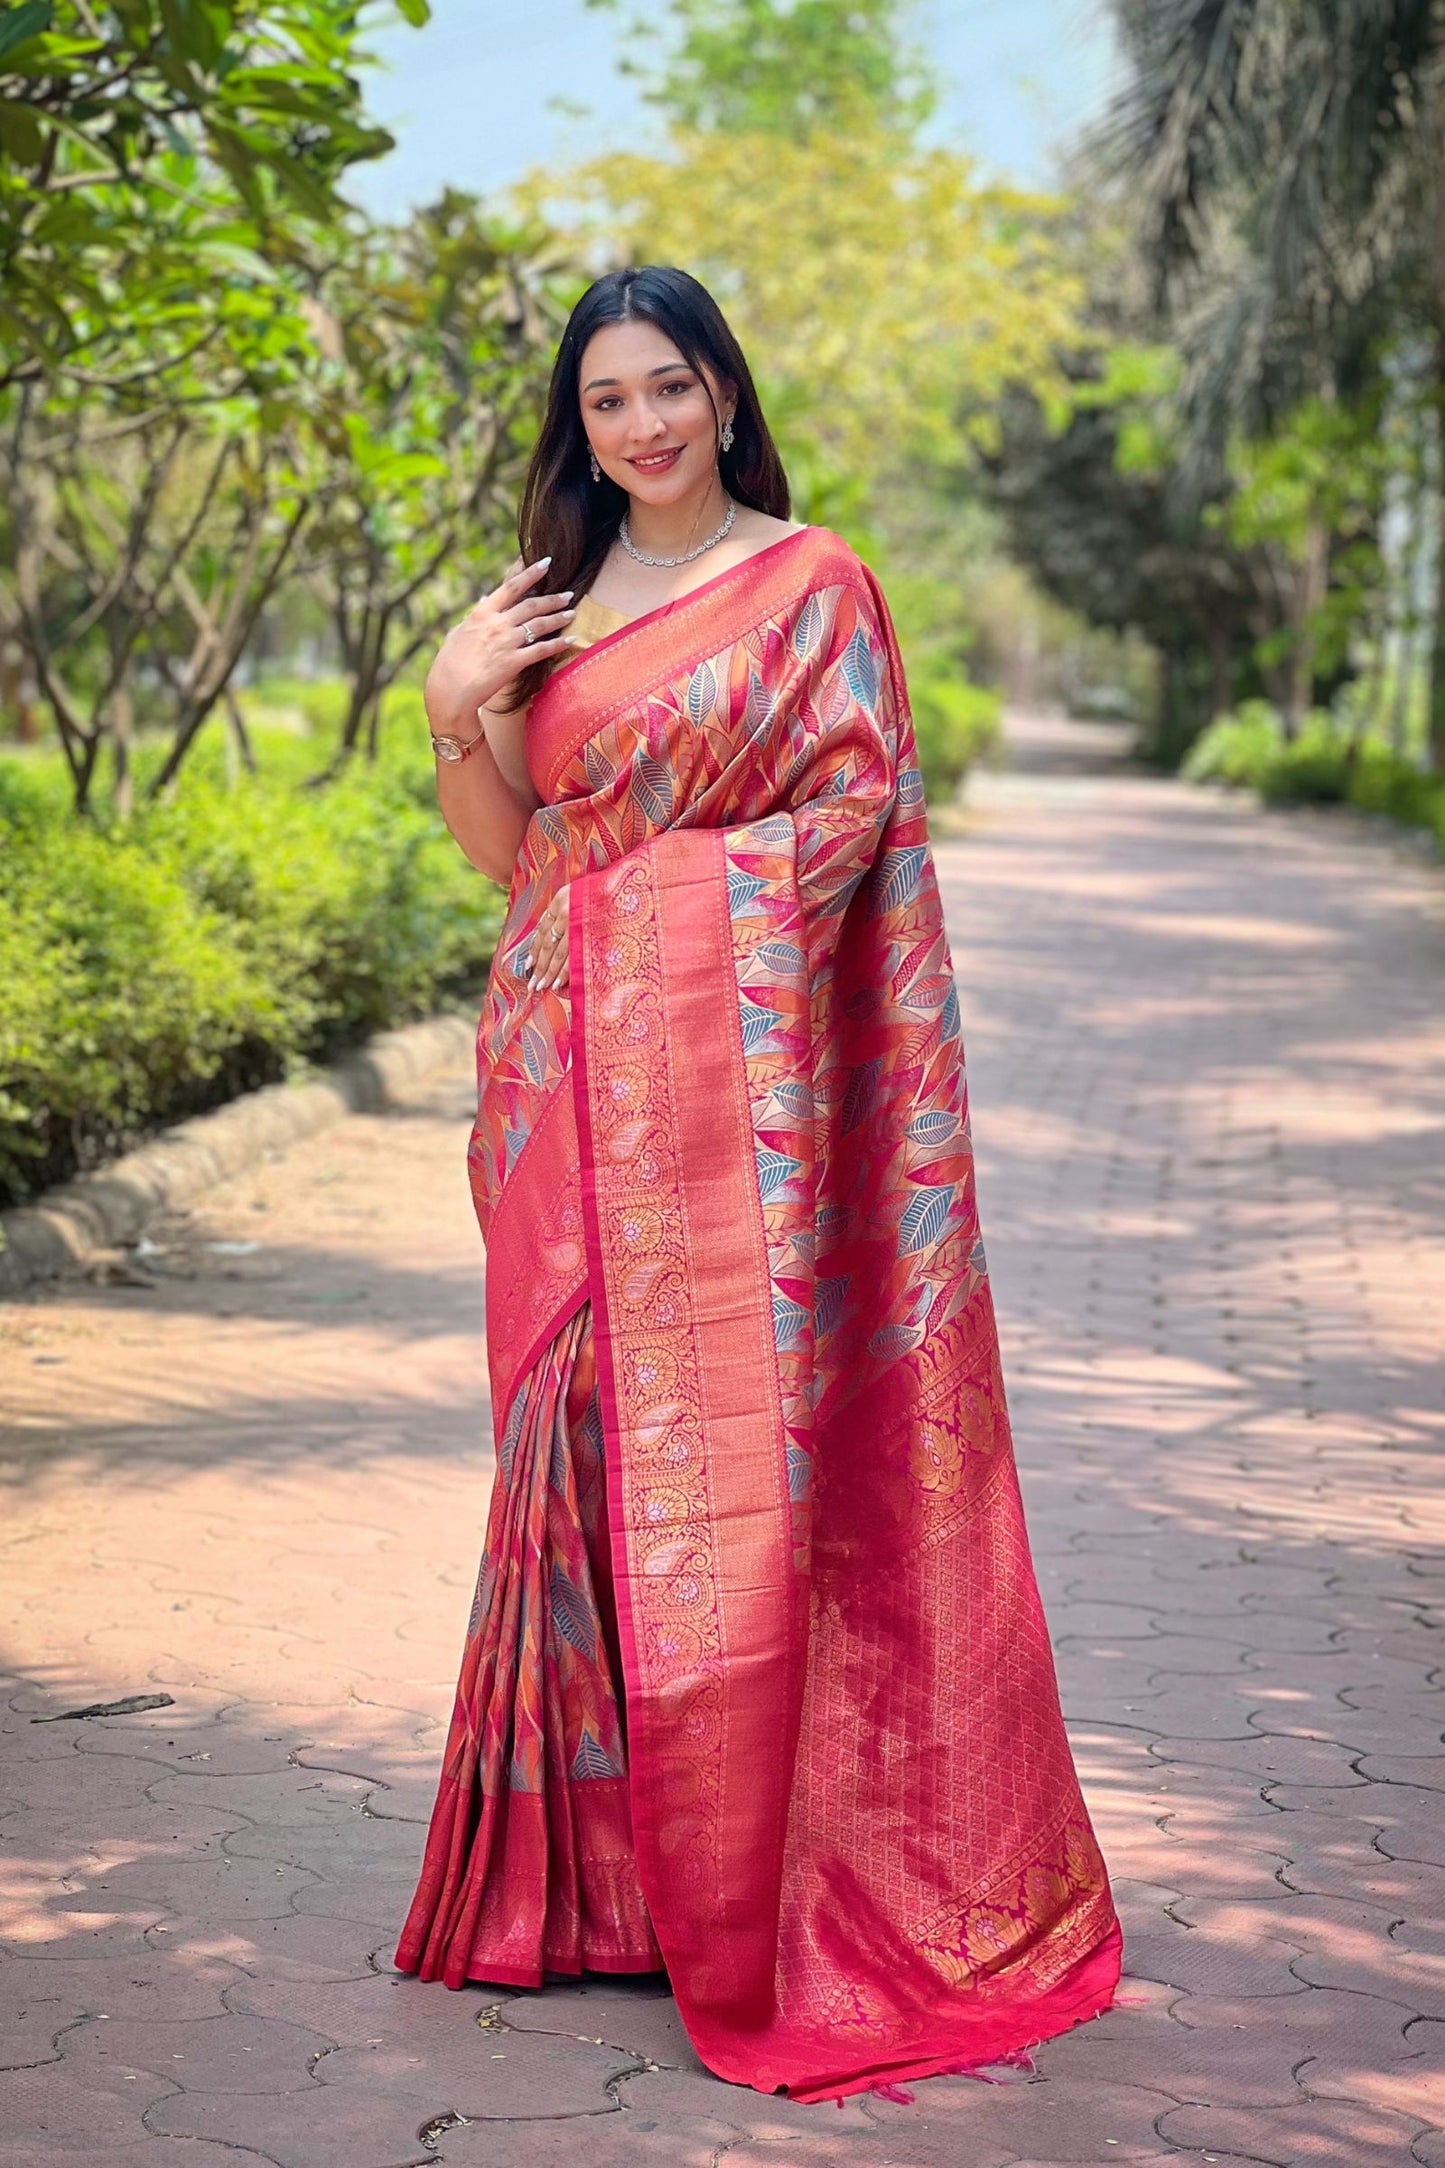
447, 747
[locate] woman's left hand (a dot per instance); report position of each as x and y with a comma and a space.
549, 945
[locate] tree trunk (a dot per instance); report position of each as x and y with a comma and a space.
1312, 583
1400, 691
122, 734
84, 762
1435, 694
1435, 699
1221, 671
238, 743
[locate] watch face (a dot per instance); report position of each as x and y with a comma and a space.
448, 748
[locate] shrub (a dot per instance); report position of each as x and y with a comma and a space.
1235, 748
211, 944
322, 702
1322, 764
955, 722
1314, 768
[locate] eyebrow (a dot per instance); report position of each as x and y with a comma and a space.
666, 368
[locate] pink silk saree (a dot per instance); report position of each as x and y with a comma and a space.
766, 1694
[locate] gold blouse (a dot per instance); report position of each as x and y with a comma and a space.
593, 621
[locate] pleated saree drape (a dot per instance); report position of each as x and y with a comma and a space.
757, 1684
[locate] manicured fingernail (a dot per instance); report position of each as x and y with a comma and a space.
568, 594
542, 563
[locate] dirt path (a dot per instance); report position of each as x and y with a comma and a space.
1208, 1068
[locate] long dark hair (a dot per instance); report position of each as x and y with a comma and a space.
564, 514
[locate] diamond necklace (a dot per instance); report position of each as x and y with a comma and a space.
624, 536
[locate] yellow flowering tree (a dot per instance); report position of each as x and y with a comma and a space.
890, 294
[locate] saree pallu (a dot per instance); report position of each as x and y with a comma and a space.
812, 1741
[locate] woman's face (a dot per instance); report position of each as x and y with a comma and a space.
647, 413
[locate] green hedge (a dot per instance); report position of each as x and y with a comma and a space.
1322, 764
955, 723
154, 967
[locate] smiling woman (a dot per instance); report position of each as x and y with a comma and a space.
757, 1685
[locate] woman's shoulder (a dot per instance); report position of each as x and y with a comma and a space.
827, 557
824, 551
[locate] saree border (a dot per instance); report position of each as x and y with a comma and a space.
708, 1601
669, 641
536, 1252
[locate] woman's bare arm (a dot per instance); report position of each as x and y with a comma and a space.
483, 812
488, 798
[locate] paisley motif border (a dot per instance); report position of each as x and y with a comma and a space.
709, 1604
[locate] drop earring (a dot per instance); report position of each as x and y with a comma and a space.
727, 434
596, 470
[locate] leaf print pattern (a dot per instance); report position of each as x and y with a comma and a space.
528, 1864
701, 697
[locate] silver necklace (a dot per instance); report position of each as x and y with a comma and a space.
624, 536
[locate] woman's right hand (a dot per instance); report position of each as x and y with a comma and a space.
481, 656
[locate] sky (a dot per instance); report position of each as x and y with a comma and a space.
470, 98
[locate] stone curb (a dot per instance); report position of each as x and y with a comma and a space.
66, 1227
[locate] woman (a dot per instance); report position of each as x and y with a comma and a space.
757, 1684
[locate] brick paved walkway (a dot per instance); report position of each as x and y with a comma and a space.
1209, 1076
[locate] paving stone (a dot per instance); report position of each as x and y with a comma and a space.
607, 2141
1245, 2069
1409, 2079
1279, 1764
212, 2054
641, 2019
62, 1990
220, 1884
144, 2152
669, 2095
1345, 2134
485, 2076
1067, 2119
1202, 1963
287, 1948
372, 1893
925, 2146
48, 2107
321, 2128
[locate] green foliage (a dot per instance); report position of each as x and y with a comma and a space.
1092, 510
956, 724
1322, 764
955, 721
213, 943
155, 157
321, 702
1236, 748
437, 340
1282, 162
758, 67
